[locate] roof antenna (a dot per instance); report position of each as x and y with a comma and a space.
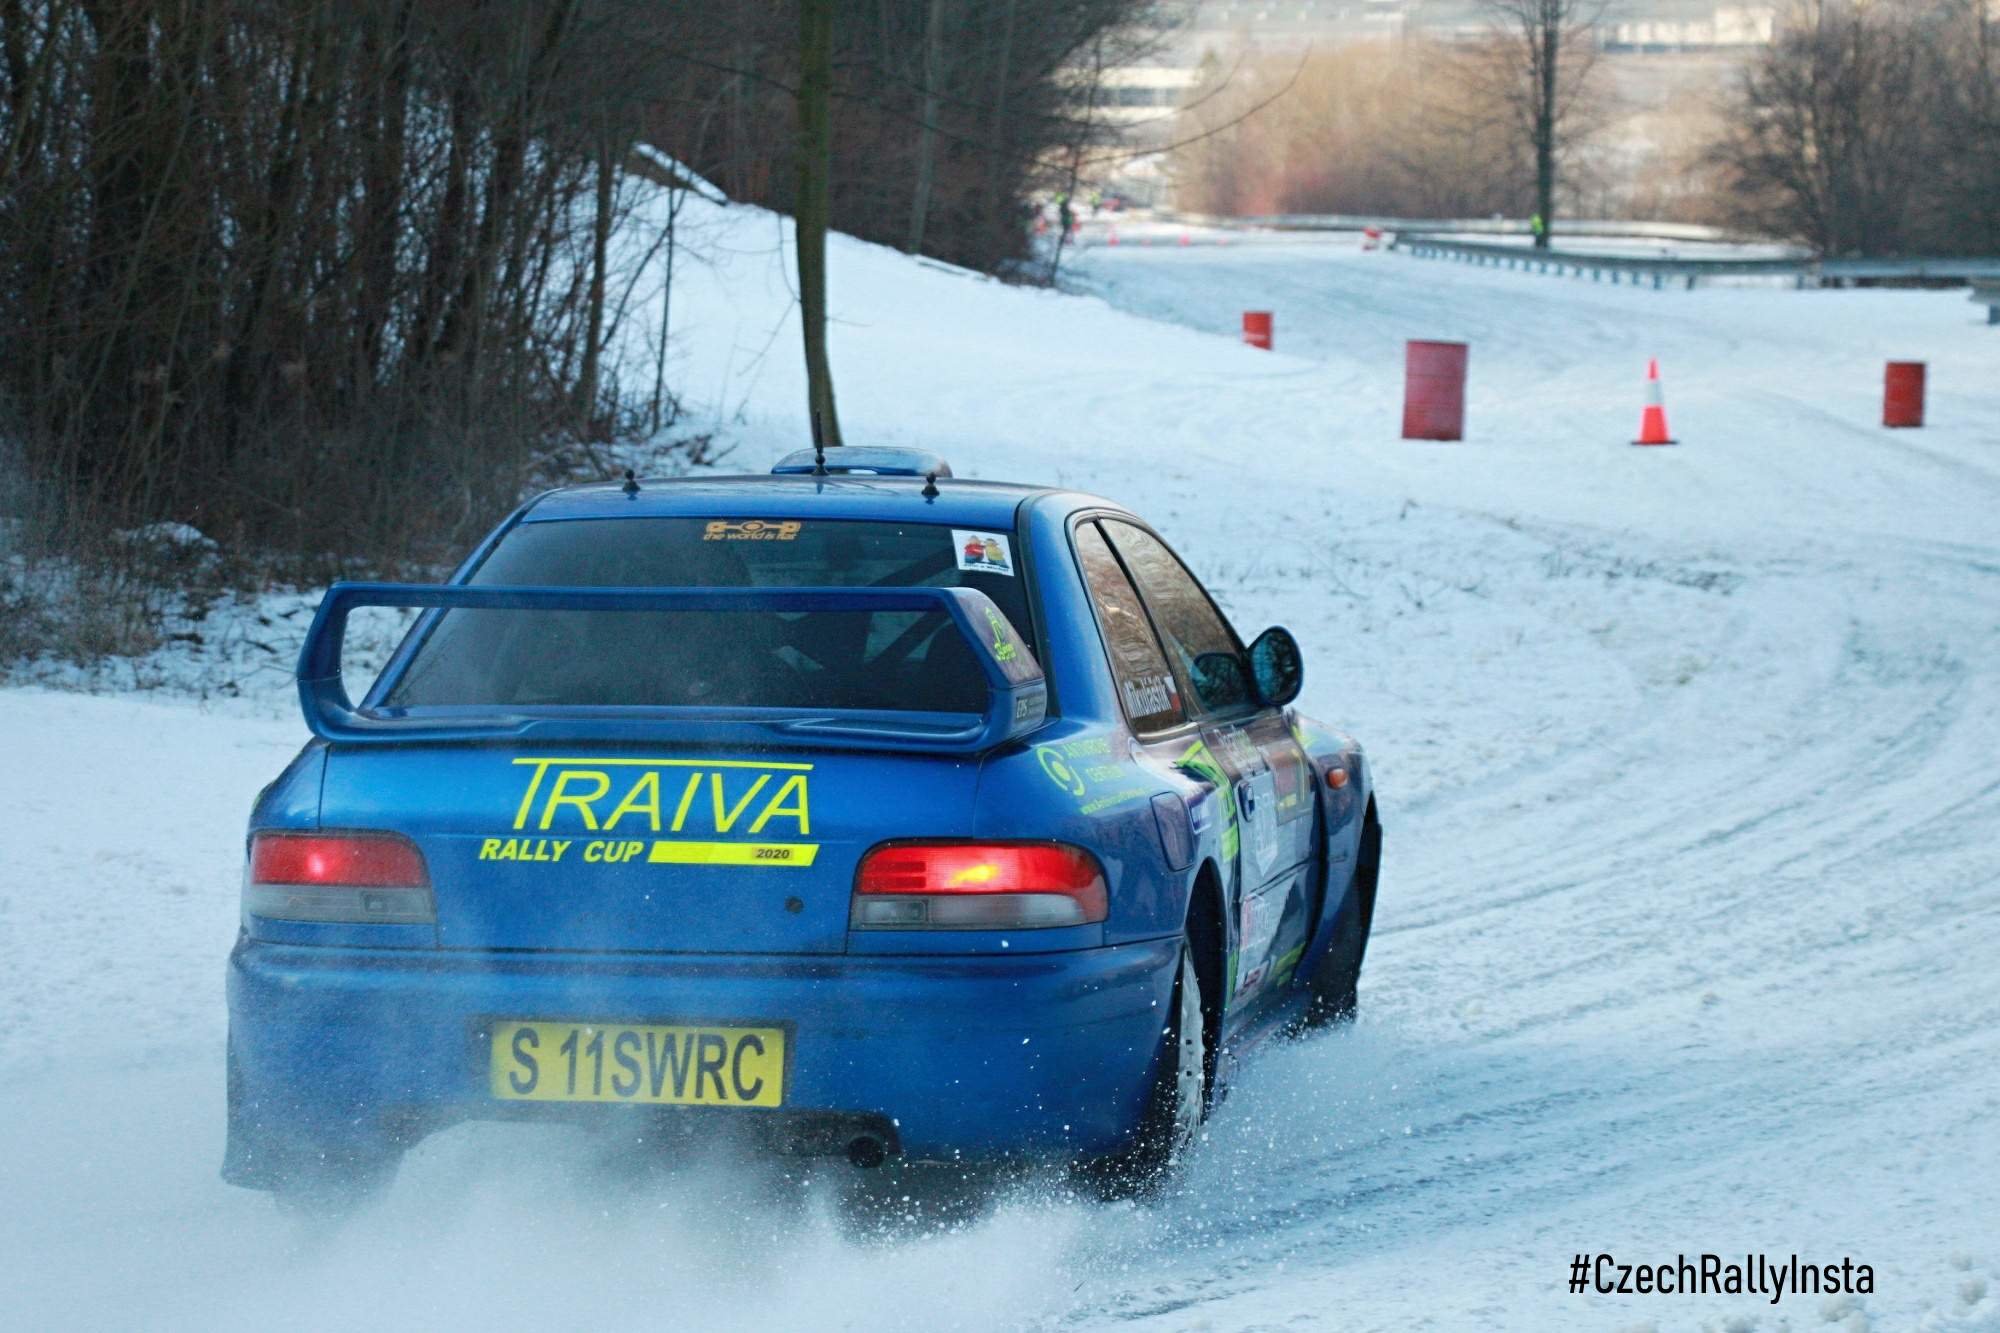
819, 447
930, 486
631, 486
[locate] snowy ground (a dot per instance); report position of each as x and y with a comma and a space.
1686, 760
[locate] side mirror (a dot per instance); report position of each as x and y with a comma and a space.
1276, 666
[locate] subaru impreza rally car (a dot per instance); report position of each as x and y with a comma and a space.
886, 814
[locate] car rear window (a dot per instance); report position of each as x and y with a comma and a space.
725, 659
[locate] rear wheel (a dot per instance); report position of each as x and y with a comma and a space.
1177, 1103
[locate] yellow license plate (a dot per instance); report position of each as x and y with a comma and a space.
636, 1063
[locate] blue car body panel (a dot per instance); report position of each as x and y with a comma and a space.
962, 1057
553, 902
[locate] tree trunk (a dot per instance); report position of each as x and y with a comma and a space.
675, 198
265, 243
814, 206
600, 245
120, 130
1545, 122
382, 186
920, 199
443, 254
24, 83
499, 218
1076, 147
999, 163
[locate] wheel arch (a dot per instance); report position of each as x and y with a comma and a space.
1208, 935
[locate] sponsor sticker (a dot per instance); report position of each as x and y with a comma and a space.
752, 530
1003, 647
1148, 695
1059, 769
1090, 772
622, 810
983, 552
1200, 761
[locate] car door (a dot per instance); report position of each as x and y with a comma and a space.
1253, 752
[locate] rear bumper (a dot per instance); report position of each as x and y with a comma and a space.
352, 1053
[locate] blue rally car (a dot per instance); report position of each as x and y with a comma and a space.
881, 813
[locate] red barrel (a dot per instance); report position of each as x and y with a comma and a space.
1434, 391
1257, 328
1903, 394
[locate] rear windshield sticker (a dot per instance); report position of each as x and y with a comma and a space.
982, 552
752, 530
1148, 695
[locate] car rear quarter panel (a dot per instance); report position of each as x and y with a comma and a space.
1082, 778
1087, 785
292, 799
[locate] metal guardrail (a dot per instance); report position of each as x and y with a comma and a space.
1658, 271
1604, 227
1986, 292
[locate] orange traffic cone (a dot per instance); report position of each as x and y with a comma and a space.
1653, 420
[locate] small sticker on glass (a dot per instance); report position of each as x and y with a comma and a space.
983, 552
752, 530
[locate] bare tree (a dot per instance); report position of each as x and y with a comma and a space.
1965, 216
1537, 65
933, 75
815, 100
1831, 139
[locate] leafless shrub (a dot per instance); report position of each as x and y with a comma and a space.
314, 275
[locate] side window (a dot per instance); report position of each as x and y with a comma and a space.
1204, 649
1138, 668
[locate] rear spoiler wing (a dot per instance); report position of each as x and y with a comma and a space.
1017, 702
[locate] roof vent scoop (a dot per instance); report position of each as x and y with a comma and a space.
864, 460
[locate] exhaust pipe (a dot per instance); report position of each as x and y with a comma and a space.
867, 1152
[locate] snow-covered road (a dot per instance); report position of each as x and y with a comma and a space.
1688, 766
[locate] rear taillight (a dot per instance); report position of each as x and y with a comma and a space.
377, 877
977, 886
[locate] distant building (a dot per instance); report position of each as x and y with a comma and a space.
1290, 25
1661, 26
1139, 95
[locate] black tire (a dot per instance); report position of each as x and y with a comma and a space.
1335, 986
1177, 1103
